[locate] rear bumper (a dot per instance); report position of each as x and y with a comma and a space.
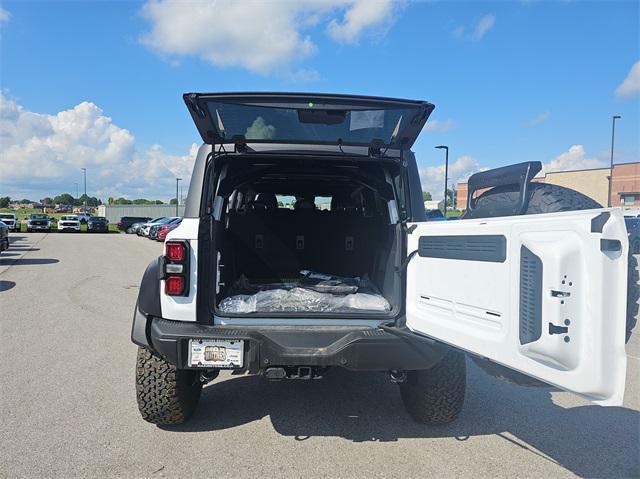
354, 348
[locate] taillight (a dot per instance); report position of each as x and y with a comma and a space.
175, 251
176, 268
174, 285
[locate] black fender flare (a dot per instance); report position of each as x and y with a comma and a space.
147, 304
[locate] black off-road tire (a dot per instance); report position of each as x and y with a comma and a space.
166, 395
544, 198
435, 396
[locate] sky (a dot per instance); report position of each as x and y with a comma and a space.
98, 85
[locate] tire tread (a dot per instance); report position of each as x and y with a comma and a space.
166, 395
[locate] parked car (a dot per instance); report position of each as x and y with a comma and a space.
38, 222
97, 224
83, 217
11, 221
4, 237
633, 230
153, 231
126, 222
163, 230
144, 229
135, 227
533, 298
69, 223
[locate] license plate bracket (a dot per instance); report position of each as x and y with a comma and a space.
216, 353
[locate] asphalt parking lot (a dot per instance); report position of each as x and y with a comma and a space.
69, 408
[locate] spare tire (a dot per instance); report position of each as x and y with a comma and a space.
545, 198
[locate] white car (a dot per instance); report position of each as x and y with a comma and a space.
11, 220
69, 222
83, 217
144, 229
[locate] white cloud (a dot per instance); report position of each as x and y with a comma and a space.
4, 15
361, 15
262, 36
432, 177
631, 85
574, 158
477, 31
539, 119
42, 155
483, 25
439, 126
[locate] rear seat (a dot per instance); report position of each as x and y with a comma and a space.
270, 243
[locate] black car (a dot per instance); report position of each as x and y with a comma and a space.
38, 222
98, 224
126, 221
4, 236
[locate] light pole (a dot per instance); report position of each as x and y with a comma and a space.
76, 190
613, 136
177, 200
446, 174
84, 171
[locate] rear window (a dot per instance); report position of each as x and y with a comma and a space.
7, 216
289, 202
310, 123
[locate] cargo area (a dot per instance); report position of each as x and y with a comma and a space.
308, 235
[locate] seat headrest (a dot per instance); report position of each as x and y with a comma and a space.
266, 200
304, 203
343, 203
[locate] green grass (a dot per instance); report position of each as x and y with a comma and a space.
454, 213
23, 215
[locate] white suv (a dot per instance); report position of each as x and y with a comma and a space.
69, 222
531, 283
83, 217
11, 221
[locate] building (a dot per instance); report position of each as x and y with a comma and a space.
625, 187
434, 205
114, 212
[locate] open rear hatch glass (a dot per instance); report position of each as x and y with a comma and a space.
307, 118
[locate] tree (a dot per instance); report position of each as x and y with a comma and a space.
111, 200
4, 202
64, 199
46, 201
449, 198
174, 201
426, 196
123, 201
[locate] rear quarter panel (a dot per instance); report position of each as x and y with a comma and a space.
183, 308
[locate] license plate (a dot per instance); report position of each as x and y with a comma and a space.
216, 353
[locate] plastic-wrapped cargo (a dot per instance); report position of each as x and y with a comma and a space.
314, 292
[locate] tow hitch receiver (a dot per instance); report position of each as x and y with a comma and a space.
293, 372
